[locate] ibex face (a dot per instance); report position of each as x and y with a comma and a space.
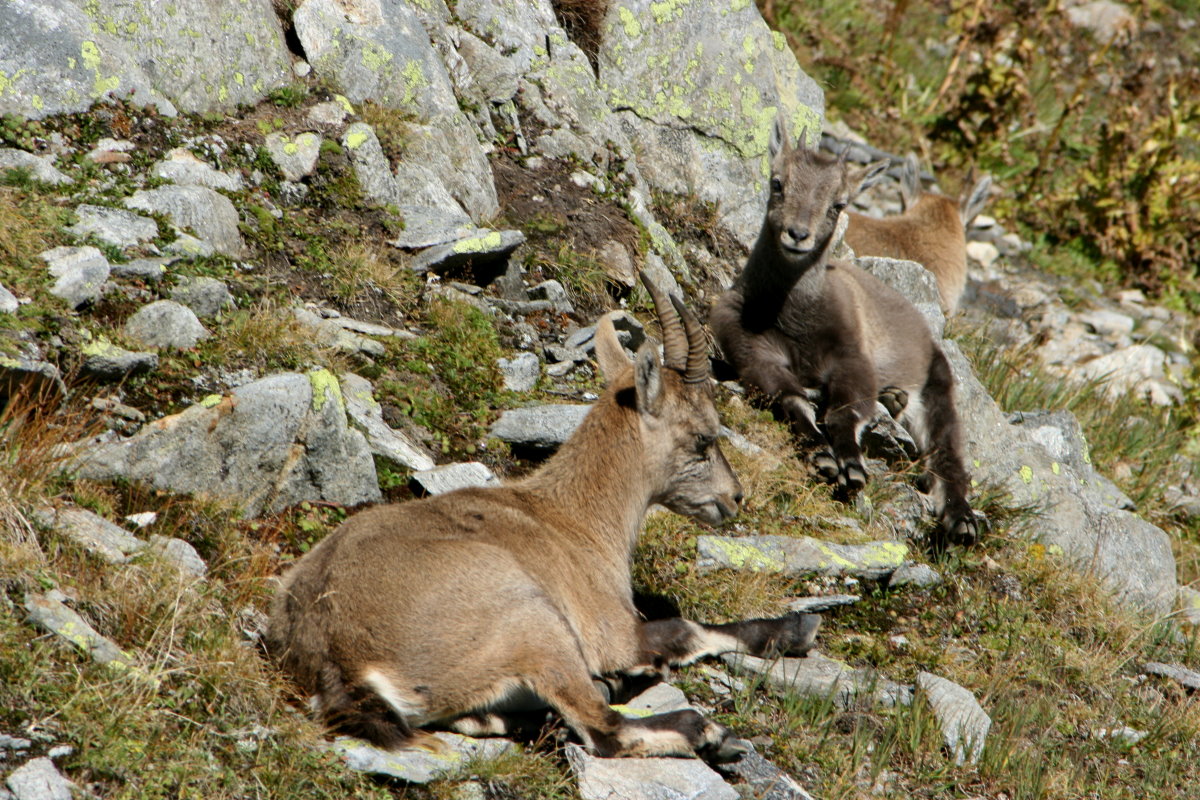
679, 423
809, 189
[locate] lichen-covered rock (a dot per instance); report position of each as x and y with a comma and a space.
296, 156
104, 360
40, 167
542, 427
817, 676
965, 724
330, 334
81, 273
418, 765
48, 612
421, 187
209, 214
217, 54
270, 444
481, 248
646, 778
54, 61
92, 532
384, 441
181, 166
113, 225
800, 555
38, 779
205, 296
698, 85
165, 324
521, 372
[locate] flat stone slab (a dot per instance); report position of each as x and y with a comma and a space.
418, 765
179, 553
81, 273
181, 166
295, 156
921, 576
8, 302
658, 699
449, 477
812, 605
646, 778
818, 676
209, 214
146, 269
759, 779
113, 225
48, 612
93, 532
540, 427
1187, 678
800, 555
428, 226
39, 779
106, 361
965, 724
482, 247
330, 334
382, 439
165, 323
40, 167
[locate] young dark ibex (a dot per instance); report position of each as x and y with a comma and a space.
931, 231
799, 327
447, 611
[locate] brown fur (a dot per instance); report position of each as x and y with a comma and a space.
819, 339
931, 231
447, 610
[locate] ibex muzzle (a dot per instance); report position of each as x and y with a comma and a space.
439, 612
821, 340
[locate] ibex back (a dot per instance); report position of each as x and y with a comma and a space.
930, 231
800, 328
440, 612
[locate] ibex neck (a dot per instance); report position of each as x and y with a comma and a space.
769, 278
597, 481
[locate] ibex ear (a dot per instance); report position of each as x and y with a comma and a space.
861, 178
975, 200
910, 182
609, 352
778, 145
647, 380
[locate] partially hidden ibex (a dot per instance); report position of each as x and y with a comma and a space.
931, 231
821, 340
446, 611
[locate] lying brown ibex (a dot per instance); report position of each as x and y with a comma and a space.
931, 231
443, 611
797, 326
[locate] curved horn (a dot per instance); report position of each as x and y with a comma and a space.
675, 340
697, 356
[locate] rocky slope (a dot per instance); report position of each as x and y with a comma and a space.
262, 265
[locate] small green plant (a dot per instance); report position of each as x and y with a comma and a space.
288, 96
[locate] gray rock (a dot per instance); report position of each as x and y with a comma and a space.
179, 553
1126, 370
57, 61
271, 444
812, 605
1129, 555
540, 427
419, 765
1187, 678
658, 699
449, 477
39, 779
922, 576
630, 333
210, 215
558, 353
1107, 20
104, 360
883, 437
218, 54
964, 723
368, 328
1062, 436
493, 77
29, 377
646, 778
914, 282
383, 440
759, 779
817, 676
40, 167
14, 743
426, 226
727, 75
81, 273
554, 292
165, 324
8, 302
1123, 734
483, 247
296, 156
1189, 605
181, 166
377, 51
378, 183
330, 334
188, 246
92, 532
448, 151
521, 372
329, 114
799, 555
113, 225
207, 297
1108, 323
51, 614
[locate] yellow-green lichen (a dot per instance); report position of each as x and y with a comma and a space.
626, 711
100, 347
1026, 473
90, 54
779, 40
211, 400
668, 10
291, 148
414, 79
479, 244
745, 556
344, 102
355, 139
1055, 468
324, 386
375, 57
239, 79
633, 28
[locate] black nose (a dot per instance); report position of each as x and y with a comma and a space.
798, 234
737, 499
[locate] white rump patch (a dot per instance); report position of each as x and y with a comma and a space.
406, 706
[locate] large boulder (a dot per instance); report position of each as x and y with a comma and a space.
270, 444
698, 85
209, 213
217, 54
55, 60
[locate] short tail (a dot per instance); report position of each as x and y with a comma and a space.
358, 711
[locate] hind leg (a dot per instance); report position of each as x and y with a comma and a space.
958, 523
674, 642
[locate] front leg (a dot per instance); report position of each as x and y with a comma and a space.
852, 394
675, 642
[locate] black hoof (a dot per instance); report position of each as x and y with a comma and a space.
826, 466
894, 399
852, 477
726, 751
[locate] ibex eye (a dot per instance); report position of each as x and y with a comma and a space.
839, 205
776, 185
704, 441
